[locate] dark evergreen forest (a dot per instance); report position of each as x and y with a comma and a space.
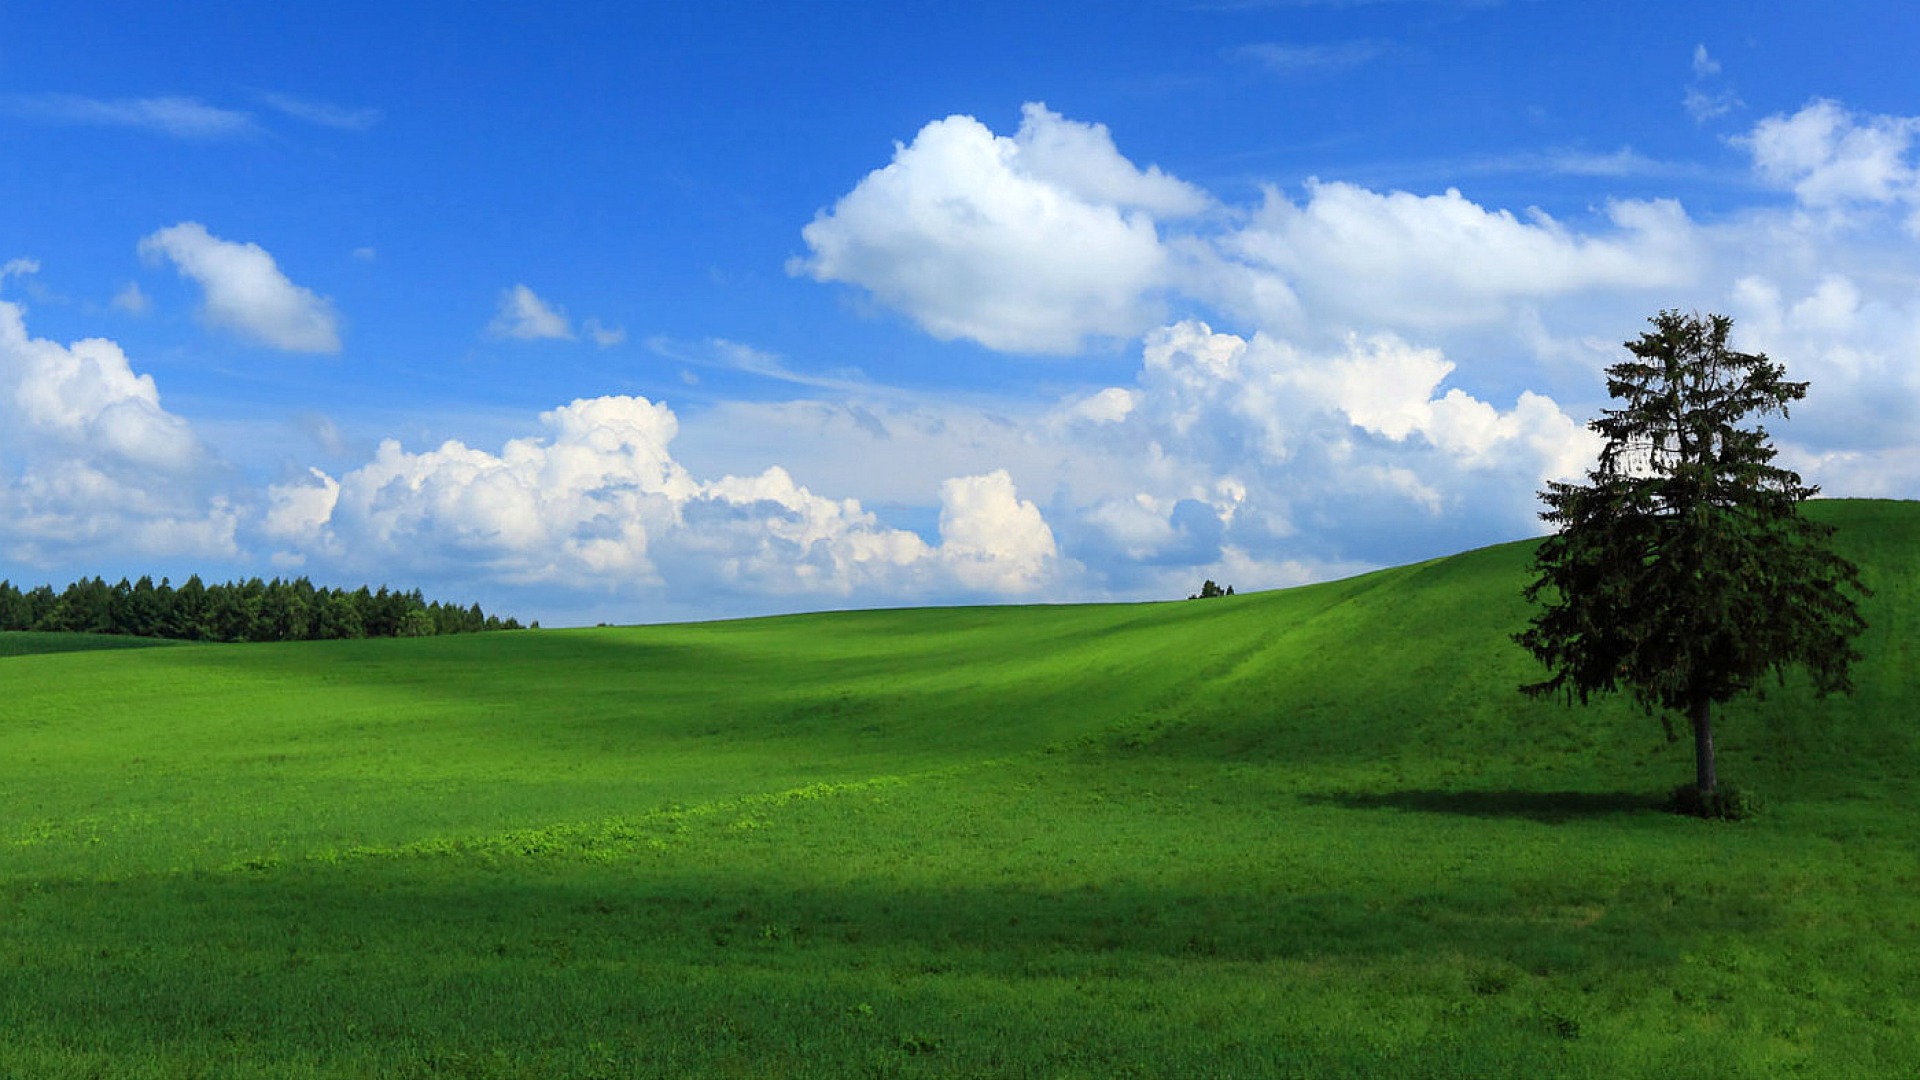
253, 610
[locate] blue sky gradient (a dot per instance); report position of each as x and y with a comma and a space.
635, 312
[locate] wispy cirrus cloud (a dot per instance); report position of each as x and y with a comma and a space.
175, 116
1263, 5
1284, 59
719, 354
523, 316
18, 268
1623, 163
131, 301
603, 335
323, 113
180, 116
1708, 97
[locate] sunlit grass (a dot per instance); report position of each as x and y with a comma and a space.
1304, 833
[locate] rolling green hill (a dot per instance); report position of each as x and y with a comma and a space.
1312, 832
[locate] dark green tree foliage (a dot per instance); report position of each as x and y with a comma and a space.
1682, 570
1209, 590
252, 610
14, 608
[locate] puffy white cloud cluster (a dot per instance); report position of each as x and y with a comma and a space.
597, 499
245, 290
1316, 442
1251, 448
1041, 241
991, 539
92, 466
1398, 383
1033, 243
1253, 459
1351, 257
89, 459
1832, 290
1832, 157
1861, 353
1403, 372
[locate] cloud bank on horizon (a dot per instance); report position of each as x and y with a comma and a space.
1263, 388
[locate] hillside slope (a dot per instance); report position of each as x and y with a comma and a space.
1415, 665
1364, 681
1311, 832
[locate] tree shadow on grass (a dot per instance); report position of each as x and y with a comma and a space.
1547, 806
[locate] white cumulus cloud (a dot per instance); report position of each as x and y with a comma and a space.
1357, 257
1857, 350
1081, 158
1405, 368
86, 396
1831, 156
1049, 238
990, 537
598, 499
245, 290
90, 462
1033, 243
1312, 458
296, 512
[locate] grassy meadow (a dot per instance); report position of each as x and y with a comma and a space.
1305, 833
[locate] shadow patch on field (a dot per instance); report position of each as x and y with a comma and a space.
1549, 806
41, 643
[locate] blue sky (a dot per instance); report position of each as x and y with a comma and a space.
638, 312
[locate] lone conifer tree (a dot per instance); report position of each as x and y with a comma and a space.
1683, 570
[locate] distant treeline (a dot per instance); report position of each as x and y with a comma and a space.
253, 610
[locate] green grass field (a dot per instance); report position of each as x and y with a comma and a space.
1314, 833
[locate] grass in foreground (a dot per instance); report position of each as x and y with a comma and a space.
1306, 833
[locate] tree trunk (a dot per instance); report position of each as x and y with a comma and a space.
1702, 717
